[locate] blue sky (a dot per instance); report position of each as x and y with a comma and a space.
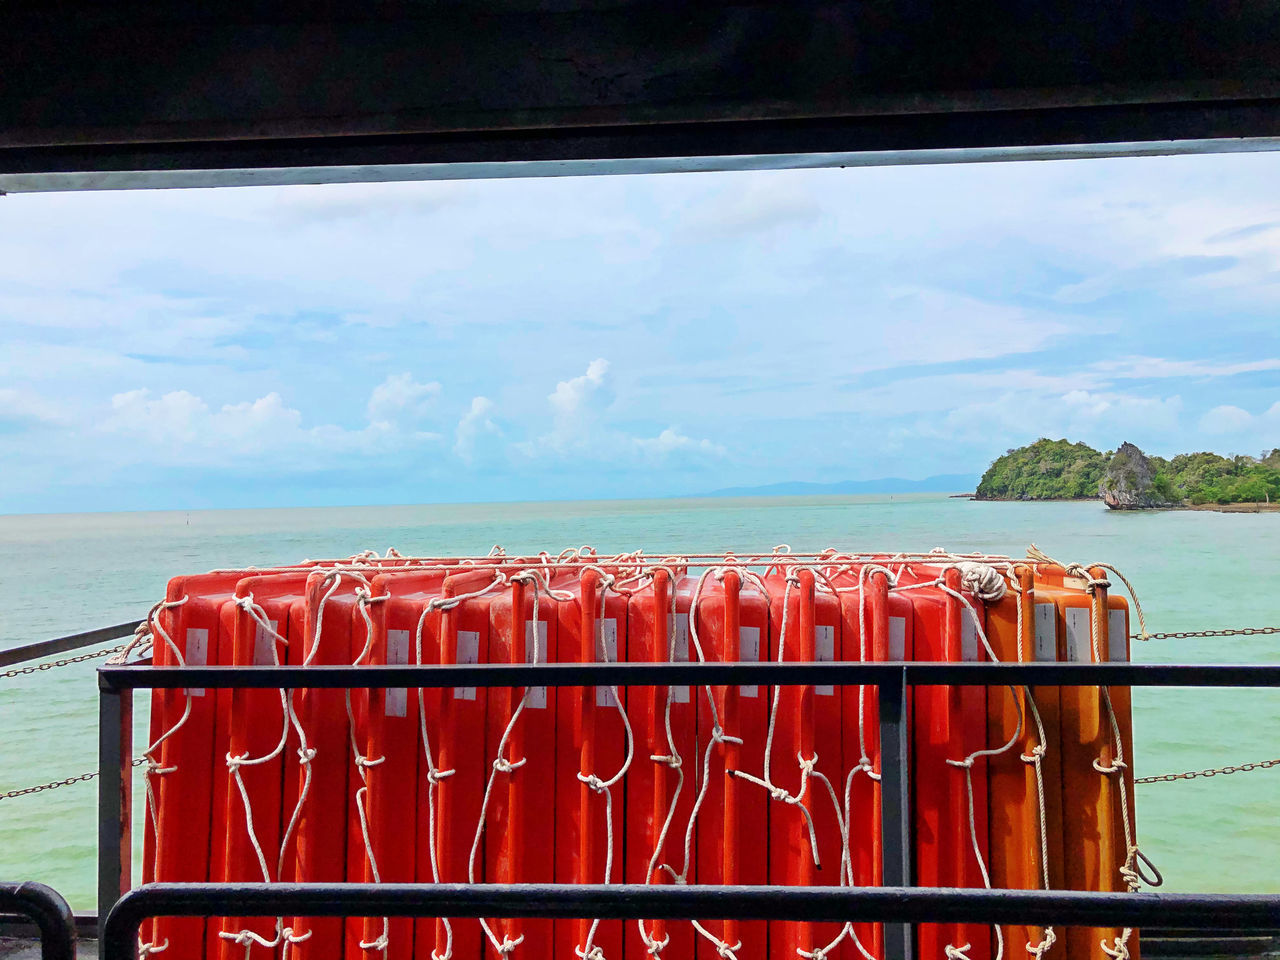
628, 336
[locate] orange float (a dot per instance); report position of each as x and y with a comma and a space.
591, 750
876, 625
258, 734
1092, 832
520, 826
399, 796
185, 795
662, 783
805, 627
950, 725
732, 623
322, 828
463, 636
1017, 856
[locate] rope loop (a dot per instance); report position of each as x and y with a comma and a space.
672, 761
507, 944
595, 783
719, 736
726, 952
1116, 766
1118, 952
234, 763
379, 944
503, 765
306, 754
956, 953
149, 949
435, 776
247, 938
966, 764
369, 761
1036, 755
655, 947
1038, 950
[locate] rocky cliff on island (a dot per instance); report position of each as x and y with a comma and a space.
1130, 482
1128, 479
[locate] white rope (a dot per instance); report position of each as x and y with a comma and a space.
247, 938
967, 763
154, 768
671, 759
434, 774
501, 764
718, 736
587, 951
777, 792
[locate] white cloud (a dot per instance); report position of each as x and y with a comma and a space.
569, 396
27, 408
579, 427
180, 428
1226, 419
474, 423
401, 398
671, 441
1143, 368
175, 417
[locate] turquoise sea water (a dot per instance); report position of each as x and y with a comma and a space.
61, 574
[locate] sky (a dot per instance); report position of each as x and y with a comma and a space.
632, 336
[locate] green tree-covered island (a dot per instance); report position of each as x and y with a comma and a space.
1128, 479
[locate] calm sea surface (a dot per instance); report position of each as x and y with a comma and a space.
61, 574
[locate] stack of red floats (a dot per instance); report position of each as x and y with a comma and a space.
703, 785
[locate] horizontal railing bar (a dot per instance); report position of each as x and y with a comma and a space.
663, 674
47, 648
633, 901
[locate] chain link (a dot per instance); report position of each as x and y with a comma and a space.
1192, 774
84, 777
38, 667
1186, 634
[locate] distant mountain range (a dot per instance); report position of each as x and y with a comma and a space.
942, 483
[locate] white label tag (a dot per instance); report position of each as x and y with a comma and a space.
1079, 649
824, 648
397, 653
537, 698
968, 636
897, 638
1117, 636
749, 652
678, 627
468, 651
1046, 632
606, 652
264, 645
197, 654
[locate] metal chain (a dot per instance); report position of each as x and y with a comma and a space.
1185, 634
36, 668
138, 761
1192, 774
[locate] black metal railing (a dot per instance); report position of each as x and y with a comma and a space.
898, 904
50, 913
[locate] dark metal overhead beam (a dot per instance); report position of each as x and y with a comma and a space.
134, 94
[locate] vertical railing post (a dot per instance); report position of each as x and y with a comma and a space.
115, 795
895, 807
